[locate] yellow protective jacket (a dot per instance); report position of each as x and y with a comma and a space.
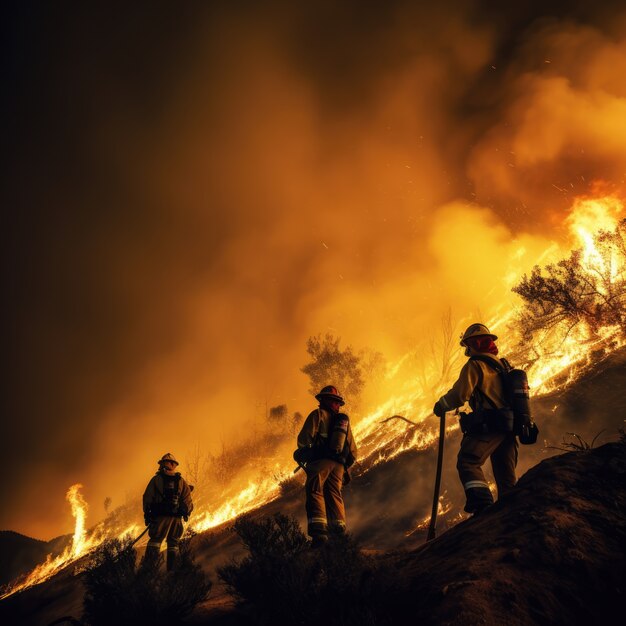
468, 381
315, 431
159, 483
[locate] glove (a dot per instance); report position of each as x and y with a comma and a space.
303, 455
148, 519
186, 518
438, 409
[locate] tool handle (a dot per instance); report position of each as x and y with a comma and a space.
433, 515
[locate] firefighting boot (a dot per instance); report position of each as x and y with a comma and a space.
172, 559
336, 531
478, 496
319, 540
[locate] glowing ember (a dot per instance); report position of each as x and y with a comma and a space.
443, 508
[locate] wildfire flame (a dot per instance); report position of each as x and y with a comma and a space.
79, 511
444, 507
79, 546
587, 218
554, 367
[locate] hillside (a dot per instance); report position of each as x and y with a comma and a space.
388, 505
552, 552
20, 553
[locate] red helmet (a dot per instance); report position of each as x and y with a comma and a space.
329, 392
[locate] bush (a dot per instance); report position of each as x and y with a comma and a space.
287, 582
291, 484
121, 592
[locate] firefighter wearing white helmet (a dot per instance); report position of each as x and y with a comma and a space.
488, 429
326, 450
166, 502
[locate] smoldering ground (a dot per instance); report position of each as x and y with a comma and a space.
193, 191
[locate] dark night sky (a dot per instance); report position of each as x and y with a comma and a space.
173, 169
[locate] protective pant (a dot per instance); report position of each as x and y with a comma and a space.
324, 502
474, 452
169, 528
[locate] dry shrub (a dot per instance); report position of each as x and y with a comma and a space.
578, 444
290, 485
287, 582
120, 591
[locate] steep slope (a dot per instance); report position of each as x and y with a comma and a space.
551, 552
387, 504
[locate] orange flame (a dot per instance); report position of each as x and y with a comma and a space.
412, 396
79, 546
572, 352
79, 511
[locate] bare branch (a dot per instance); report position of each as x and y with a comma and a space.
398, 417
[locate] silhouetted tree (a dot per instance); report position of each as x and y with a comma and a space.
331, 365
297, 419
278, 414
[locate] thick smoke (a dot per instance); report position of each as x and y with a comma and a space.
195, 192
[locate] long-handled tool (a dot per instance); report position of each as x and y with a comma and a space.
433, 516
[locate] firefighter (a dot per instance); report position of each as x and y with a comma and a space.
326, 449
488, 429
166, 502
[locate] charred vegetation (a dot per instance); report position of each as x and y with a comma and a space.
283, 580
552, 551
119, 590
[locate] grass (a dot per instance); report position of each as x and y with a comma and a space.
578, 445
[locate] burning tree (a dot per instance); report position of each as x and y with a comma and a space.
588, 287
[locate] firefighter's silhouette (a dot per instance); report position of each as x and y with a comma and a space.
166, 503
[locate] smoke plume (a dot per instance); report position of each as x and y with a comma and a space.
196, 190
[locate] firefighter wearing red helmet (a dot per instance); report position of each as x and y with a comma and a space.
166, 502
488, 429
326, 450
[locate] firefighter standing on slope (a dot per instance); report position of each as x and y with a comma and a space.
488, 429
326, 449
166, 502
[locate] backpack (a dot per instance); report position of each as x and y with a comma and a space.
336, 446
170, 503
515, 385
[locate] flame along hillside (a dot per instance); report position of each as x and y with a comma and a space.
559, 359
593, 402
